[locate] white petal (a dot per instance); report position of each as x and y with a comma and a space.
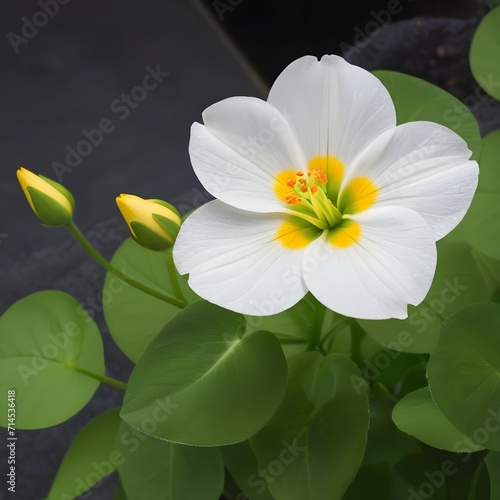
422, 166
234, 260
244, 143
391, 266
334, 108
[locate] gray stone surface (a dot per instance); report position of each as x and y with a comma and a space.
435, 49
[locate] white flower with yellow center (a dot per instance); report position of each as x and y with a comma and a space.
318, 190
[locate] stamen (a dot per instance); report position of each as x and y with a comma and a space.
314, 189
299, 173
291, 183
320, 175
292, 199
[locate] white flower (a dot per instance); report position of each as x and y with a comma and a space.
318, 190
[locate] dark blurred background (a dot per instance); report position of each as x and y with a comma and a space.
70, 73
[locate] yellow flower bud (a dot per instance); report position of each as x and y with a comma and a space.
52, 203
154, 224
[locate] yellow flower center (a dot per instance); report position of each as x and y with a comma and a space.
319, 205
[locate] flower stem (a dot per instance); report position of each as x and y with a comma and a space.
174, 279
102, 378
315, 343
334, 330
440, 316
87, 246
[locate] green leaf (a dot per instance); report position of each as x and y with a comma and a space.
418, 100
464, 373
48, 348
217, 385
313, 446
91, 457
480, 228
243, 467
484, 54
134, 317
489, 176
457, 283
417, 415
493, 464
490, 270
160, 470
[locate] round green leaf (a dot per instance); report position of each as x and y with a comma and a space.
480, 228
457, 282
489, 177
417, 415
134, 317
313, 446
464, 373
91, 456
418, 100
220, 386
154, 469
49, 349
490, 270
484, 54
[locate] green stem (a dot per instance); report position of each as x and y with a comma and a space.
174, 279
434, 311
102, 378
334, 330
87, 246
315, 343
321, 350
